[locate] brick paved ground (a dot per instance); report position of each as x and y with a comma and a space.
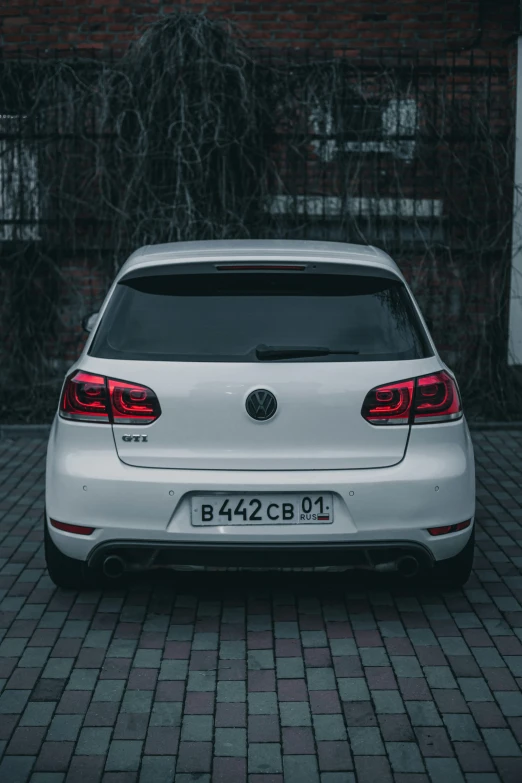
229, 678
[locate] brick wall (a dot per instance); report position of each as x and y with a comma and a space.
113, 24
422, 25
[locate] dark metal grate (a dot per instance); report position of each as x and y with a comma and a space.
408, 151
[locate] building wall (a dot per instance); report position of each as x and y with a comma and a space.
465, 306
104, 24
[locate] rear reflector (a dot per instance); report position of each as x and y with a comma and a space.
94, 398
429, 399
463, 525
260, 268
79, 530
442, 531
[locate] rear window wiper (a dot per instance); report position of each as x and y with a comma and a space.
267, 352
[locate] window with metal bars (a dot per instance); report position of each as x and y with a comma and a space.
19, 190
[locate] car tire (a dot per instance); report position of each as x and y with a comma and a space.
455, 571
66, 571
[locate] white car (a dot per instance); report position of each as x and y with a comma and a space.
258, 404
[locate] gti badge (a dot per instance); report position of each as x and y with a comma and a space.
135, 438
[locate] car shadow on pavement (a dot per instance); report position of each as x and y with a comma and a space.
237, 584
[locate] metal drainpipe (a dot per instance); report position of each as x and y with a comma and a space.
515, 297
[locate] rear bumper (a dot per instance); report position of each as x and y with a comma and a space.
86, 484
146, 554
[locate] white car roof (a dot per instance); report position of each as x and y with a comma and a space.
259, 249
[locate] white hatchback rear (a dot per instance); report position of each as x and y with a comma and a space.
257, 403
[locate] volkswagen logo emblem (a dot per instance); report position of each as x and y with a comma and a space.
261, 405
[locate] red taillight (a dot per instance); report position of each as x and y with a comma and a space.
444, 529
390, 404
79, 530
132, 403
426, 400
84, 398
94, 398
436, 399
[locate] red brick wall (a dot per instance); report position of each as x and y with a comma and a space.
287, 23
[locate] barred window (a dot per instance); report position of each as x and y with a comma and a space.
19, 191
387, 127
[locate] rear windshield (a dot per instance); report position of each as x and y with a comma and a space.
225, 316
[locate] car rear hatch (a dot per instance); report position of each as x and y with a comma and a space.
204, 337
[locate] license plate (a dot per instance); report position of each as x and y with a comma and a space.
262, 509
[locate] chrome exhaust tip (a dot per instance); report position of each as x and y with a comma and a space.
384, 568
408, 566
113, 566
